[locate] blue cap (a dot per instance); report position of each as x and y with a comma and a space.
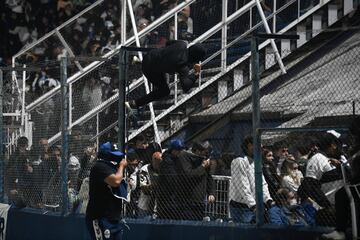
177, 144
108, 149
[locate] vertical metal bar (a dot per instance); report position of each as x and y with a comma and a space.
175, 77
2, 159
251, 18
224, 35
22, 129
274, 17
122, 94
152, 113
256, 133
298, 5
97, 129
123, 21
353, 107
176, 27
64, 135
70, 105
267, 28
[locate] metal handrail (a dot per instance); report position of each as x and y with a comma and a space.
88, 69
217, 76
49, 34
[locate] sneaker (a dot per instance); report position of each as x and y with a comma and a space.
335, 235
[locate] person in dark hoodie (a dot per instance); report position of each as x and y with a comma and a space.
195, 184
175, 57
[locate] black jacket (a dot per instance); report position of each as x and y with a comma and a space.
195, 182
271, 177
170, 59
168, 181
174, 58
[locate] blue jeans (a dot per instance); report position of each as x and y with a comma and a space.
242, 215
105, 229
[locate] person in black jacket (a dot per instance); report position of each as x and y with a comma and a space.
176, 57
194, 182
269, 171
168, 180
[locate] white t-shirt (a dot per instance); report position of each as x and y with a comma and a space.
317, 166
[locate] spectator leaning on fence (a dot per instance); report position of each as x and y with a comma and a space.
168, 180
195, 182
242, 186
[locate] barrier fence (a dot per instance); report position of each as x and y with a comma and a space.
304, 120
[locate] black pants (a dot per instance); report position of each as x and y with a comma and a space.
161, 87
311, 187
343, 211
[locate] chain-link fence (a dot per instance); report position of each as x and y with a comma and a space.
206, 172
302, 113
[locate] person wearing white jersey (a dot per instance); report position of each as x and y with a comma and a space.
322, 167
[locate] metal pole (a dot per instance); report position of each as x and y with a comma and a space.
175, 77
2, 159
122, 94
274, 17
70, 104
146, 83
65, 135
353, 107
256, 134
123, 21
97, 128
22, 129
272, 42
224, 35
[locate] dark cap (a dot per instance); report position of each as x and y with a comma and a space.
109, 151
177, 144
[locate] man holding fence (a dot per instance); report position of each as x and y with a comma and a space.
175, 57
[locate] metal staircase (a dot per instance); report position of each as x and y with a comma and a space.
169, 116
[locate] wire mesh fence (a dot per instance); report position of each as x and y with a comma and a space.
205, 171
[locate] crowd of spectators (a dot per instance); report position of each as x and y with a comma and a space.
177, 182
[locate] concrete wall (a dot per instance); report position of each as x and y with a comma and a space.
29, 224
